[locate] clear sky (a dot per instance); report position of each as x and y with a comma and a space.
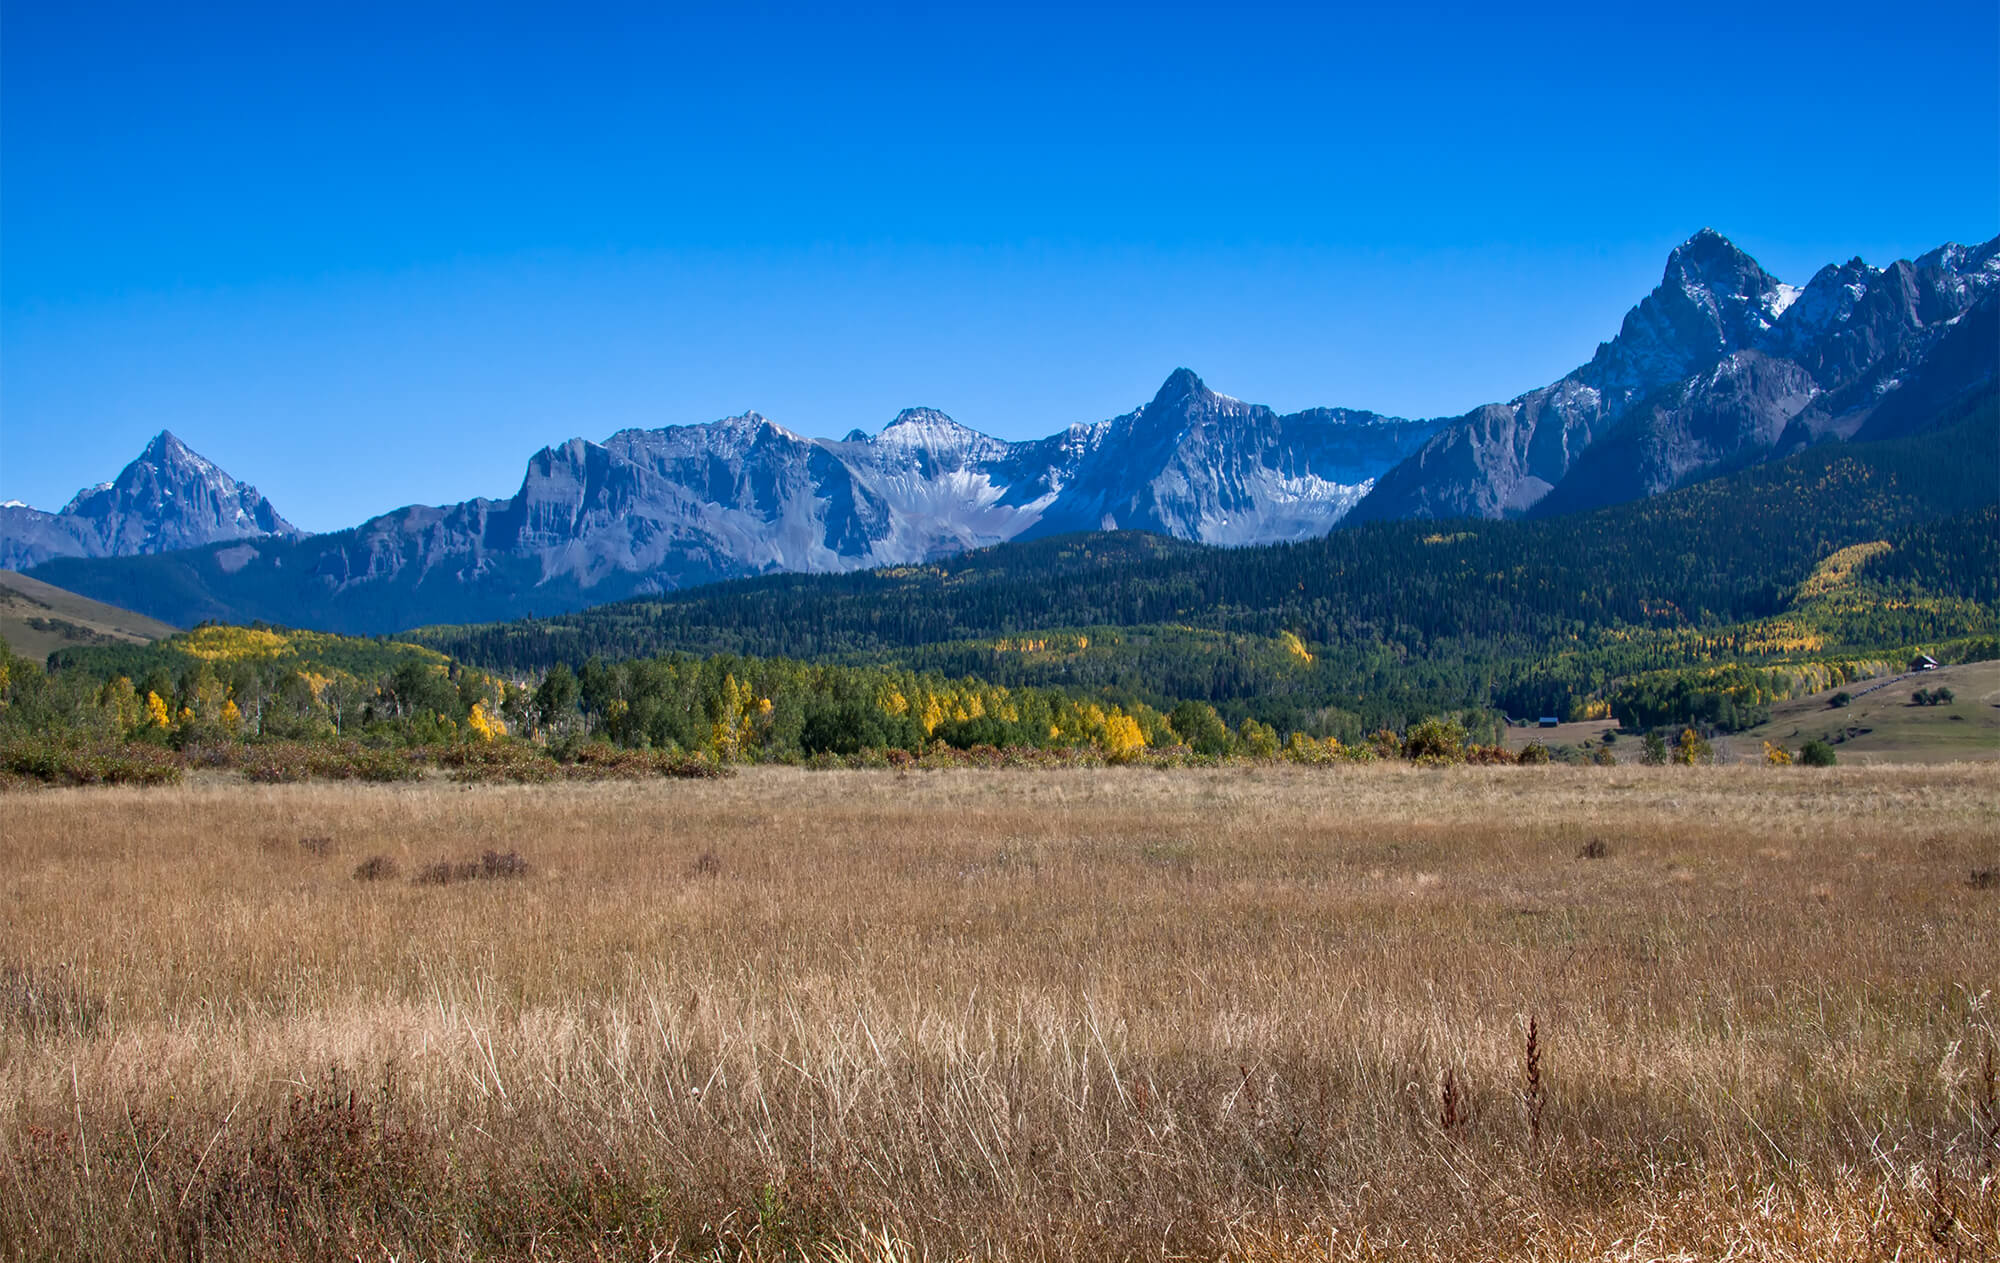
363, 257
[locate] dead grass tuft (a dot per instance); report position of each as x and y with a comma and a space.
47, 1000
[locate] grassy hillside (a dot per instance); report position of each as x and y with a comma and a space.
1881, 723
37, 619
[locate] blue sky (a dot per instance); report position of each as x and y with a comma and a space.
368, 256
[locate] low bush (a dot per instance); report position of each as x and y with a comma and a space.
282, 762
492, 866
1435, 741
48, 761
376, 868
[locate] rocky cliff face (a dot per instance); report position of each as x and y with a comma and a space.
1721, 365
169, 498
1202, 466
1859, 348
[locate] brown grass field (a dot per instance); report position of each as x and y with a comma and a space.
1050, 1015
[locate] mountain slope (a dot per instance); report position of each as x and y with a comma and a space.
169, 498
37, 619
1720, 366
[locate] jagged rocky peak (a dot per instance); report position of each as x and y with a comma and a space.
166, 445
1828, 299
923, 426
164, 462
1184, 399
1712, 299
169, 497
1183, 386
1740, 296
1710, 254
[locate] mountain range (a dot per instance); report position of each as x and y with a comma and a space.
1721, 366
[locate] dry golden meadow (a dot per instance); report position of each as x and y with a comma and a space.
1011, 1015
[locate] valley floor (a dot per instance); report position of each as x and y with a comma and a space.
1256, 1012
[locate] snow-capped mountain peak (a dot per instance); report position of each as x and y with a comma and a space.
926, 427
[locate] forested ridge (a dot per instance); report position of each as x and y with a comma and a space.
1389, 619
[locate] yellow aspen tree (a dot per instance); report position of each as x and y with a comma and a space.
486, 726
1122, 735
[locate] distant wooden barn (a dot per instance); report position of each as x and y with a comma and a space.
1923, 662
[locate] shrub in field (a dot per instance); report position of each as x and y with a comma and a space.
1602, 757
1302, 748
1653, 752
516, 762
1533, 753
54, 762
1435, 741
598, 761
1777, 755
376, 868
281, 762
1692, 748
491, 866
1816, 753
1842, 698
328, 1157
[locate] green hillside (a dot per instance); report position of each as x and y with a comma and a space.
1883, 721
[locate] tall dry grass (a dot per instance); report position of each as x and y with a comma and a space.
1092, 1014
